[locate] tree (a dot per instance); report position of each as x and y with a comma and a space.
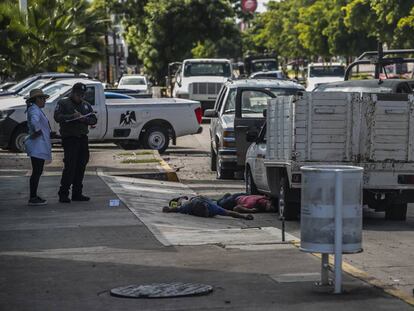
275, 29
311, 26
404, 34
63, 35
380, 19
12, 35
341, 39
167, 36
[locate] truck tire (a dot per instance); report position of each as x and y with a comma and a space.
156, 138
250, 185
213, 160
287, 210
17, 140
128, 144
222, 173
396, 212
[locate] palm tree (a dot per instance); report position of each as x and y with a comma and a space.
64, 35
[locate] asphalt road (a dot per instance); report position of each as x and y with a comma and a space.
388, 245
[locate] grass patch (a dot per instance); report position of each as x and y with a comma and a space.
144, 152
130, 161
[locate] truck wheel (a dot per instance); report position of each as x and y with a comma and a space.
17, 140
288, 210
128, 144
213, 160
250, 185
222, 173
396, 212
156, 138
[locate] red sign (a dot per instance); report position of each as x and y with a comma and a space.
249, 5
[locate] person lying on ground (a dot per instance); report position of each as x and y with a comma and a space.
202, 207
244, 203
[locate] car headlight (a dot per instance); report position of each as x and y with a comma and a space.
5, 113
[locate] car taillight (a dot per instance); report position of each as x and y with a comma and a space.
406, 179
199, 114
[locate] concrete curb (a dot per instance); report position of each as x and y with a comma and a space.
365, 277
171, 174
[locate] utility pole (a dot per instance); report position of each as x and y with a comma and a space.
115, 53
108, 66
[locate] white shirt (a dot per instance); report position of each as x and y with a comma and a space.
39, 147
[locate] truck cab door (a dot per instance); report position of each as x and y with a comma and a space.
259, 173
250, 104
95, 96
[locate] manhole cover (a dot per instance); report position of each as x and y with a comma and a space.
161, 290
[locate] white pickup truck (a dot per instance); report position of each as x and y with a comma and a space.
201, 80
374, 131
319, 73
131, 123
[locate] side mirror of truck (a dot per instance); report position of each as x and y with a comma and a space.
251, 136
264, 113
210, 113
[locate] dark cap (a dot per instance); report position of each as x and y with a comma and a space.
79, 88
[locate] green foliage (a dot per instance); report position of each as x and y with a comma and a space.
306, 28
63, 35
172, 30
381, 19
405, 30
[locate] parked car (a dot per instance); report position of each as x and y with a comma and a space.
131, 123
134, 82
113, 95
318, 73
275, 74
6, 85
128, 92
240, 106
44, 75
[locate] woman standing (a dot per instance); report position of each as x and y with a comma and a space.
37, 144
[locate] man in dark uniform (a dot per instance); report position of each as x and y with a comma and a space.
74, 115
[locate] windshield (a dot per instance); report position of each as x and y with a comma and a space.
133, 81
265, 65
326, 71
255, 101
207, 69
35, 85
56, 89
22, 84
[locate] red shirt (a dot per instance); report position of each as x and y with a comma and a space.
252, 201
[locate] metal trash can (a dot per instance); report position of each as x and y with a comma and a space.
319, 195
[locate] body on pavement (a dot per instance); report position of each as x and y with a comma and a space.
203, 207
244, 203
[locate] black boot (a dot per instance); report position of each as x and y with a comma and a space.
80, 197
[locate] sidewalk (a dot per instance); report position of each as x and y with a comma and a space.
68, 256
